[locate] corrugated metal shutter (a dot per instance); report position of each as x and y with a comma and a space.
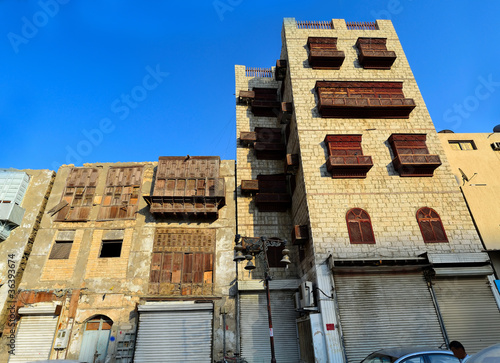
174, 336
34, 338
255, 346
385, 310
469, 311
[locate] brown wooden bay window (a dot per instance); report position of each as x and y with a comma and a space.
78, 196
373, 53
271, 192
121, 196
411, 156
262, 101
359, 226
323, 53
182, 262
268, 143
187, 186
430, 225
345, 157
347, 99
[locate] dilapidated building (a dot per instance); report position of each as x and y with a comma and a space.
132, 261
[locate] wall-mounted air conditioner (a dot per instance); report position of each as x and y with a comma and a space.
304, 299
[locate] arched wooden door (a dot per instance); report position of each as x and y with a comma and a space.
95, 339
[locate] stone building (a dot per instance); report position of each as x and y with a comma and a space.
23, 196
131, 263
338, 155
475, 162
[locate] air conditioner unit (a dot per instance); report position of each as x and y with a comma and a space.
62, 339
306, 296
496, 146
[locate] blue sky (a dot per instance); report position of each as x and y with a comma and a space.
118, 80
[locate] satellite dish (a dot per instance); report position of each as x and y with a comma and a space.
496, 128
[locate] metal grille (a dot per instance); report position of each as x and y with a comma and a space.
385, 310
469, 311
34, 338
255, 345
174, 336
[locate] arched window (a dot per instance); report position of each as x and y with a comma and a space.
359, 226
430, 225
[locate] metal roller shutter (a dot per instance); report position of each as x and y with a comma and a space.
175, 336
34, 338
385, 310
469, 311
255, 346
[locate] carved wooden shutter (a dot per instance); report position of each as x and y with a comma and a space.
79, 194
121, 196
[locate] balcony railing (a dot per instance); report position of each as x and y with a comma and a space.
314, 25
416, 164
259, 72
356, 25
349, 166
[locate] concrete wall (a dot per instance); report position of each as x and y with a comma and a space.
482, 192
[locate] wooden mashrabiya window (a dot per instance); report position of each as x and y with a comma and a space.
347, 99
411, 156
345, 157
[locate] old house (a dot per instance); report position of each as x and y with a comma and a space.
130, 263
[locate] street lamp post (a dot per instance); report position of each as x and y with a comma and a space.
258, 247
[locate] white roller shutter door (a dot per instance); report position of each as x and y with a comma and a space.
385, 310
34, 338
175, 335
469, 311
255, 344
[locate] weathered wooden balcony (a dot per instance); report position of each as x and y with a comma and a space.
358, 107
416, 164
349, 166
377, 59
373, 53
195, 196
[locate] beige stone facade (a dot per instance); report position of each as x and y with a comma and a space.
88, 284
